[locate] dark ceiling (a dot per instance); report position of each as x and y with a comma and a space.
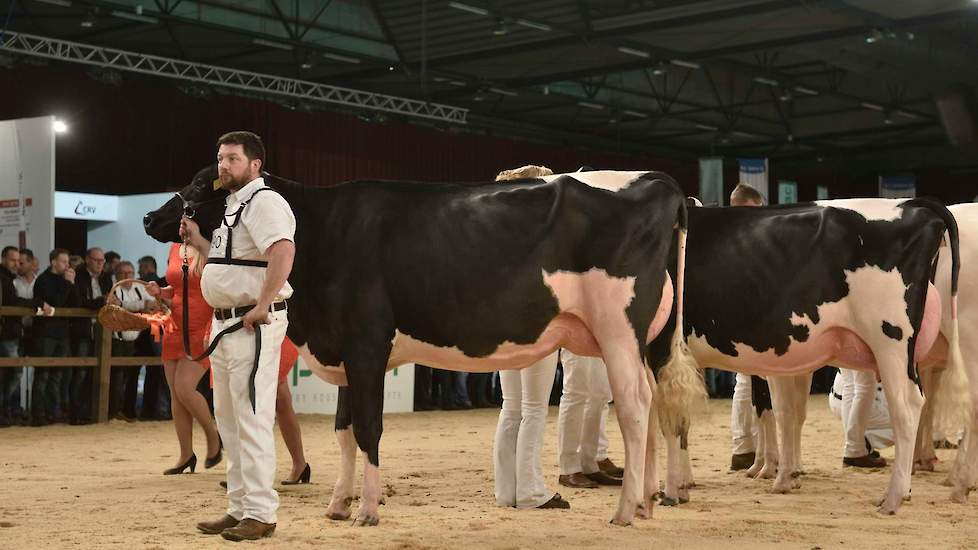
795, 80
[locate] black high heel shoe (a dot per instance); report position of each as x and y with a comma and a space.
210, 462
190, 463
303, 477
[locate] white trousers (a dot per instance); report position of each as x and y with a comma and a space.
583, 413
743, 428
519, 434
862, 409
249, 442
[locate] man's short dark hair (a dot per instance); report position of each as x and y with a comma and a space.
112, 256
252, 144
148, 259
7, 249
745, 193
88, 253
57, 252
27, 252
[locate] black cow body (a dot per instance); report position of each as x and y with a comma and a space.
781, 291
470, 277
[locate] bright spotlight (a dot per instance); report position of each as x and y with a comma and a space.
60, 127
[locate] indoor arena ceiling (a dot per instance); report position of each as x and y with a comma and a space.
784, 79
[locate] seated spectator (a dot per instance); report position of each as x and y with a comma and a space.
134, 298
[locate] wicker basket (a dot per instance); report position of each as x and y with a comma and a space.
117, 318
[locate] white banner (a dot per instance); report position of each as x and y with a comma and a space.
711, 181
753, 172
86, 206
312, 395
27, 184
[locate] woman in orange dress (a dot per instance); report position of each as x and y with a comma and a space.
288, 424
182, 374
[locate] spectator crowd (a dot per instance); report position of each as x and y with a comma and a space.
43, 395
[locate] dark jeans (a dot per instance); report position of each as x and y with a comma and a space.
46, 391
81, 381
422, 388
156, 394
122, 390
480, 388
9, 379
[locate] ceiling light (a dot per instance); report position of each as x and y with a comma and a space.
907, 114
390, 68
338, 57
687, 64
591, 105
632, 51
468, 8
500, 91
887, 118
500, 29
271, 44
743, 134
872, 106
765, 80
458, 83
62, 3
707, 127
134, 17
874, 36
88, 22
786, 95
635, 114
307, 62
534, 25
59, 126
806, 91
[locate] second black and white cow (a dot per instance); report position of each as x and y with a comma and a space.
476, 278
781, 291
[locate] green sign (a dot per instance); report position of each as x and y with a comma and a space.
787, 192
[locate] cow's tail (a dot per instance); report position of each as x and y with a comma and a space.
952, 401
680, 384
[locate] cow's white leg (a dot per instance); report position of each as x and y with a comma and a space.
924, 456
767, 450
671, 495
784, 399
759, 449
965, 469
905, 402
802, 387
687, 482
343, 491
651, 481
633, 397
370, 496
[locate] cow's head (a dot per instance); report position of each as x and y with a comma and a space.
202, 201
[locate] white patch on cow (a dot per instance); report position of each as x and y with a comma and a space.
871, 209
333, 374
609, 180
840, 337
596, 296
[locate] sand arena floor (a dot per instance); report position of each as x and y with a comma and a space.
100, 487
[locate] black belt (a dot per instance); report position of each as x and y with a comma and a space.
231, 313
837, 396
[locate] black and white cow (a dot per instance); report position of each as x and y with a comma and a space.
477, 277
781, 291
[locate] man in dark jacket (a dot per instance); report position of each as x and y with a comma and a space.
92, 284
53, 288
11, 330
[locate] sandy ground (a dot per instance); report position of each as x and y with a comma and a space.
100, 487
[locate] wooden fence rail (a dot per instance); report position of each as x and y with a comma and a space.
102, 362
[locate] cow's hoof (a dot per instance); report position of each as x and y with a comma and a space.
923, 466
784, 487
644, 511
339, 509
668, 501
620, 523
366, 520
947, 482
767, 473
754, 470
959, 497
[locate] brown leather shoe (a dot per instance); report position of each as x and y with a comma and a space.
608, 467
602, 478
555, 501
248, 529
741, 461
868, 461
576, 481
217, 526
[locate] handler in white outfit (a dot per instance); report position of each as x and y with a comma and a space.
245, 280
523, 419
581, 423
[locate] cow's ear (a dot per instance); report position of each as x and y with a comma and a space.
217, 184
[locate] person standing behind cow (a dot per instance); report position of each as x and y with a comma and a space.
131, 297
156, 399
112, 259
581, 420
182, 373
742, 425
246, 282
92, 284
54, 288
523, 419
11, 331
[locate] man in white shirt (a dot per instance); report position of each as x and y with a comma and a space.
123, 390
249, 259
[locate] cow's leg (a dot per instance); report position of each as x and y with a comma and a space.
672, 493
905, 402
786, 409
365, 371
651, 480
924, 456
802, 387
343, 492
768, 446
633, 397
